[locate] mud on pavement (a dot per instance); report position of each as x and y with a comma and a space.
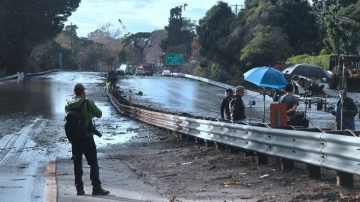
182, 170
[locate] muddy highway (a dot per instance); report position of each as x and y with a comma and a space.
138, 162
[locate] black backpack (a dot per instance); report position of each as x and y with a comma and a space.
74, 125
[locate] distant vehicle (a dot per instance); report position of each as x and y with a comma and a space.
148, 68
139, 71
125, 69
166, 73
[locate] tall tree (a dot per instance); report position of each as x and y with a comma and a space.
139, 40
340, 20
180, 33
213, 31
24, 24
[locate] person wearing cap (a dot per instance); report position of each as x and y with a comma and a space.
347, 107
236, 105
85, 145
225, 109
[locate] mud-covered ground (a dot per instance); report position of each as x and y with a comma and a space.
182, 170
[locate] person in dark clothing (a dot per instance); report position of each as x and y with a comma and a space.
348, 113
85, 145
291, 102
236, 105
225, 104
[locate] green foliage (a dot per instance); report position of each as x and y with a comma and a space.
45, 56
213, 31
340, 20
24, 24
263, 33
180, 33
321, 60
200, 71
268, 47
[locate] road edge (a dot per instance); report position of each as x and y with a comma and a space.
51, 186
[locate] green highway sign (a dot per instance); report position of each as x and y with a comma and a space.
174, 59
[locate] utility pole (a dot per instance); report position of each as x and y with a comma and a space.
236, 7
71, 42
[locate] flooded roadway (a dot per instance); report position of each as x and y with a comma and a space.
177, 94
31, 125
32, 113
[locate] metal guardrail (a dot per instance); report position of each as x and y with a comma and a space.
323, 149
215, 83
14, 76
22, 75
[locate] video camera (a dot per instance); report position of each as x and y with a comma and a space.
93, 129
252, 102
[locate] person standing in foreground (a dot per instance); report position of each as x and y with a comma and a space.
86, 144
236, 105
225, 104
291, 102
348, 113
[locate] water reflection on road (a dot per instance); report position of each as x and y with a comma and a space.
174, 94
201, 99
32, 133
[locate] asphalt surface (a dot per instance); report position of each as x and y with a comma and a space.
35, 154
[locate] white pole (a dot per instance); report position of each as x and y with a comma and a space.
341, 98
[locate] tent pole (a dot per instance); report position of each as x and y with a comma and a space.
264, 105
341, 98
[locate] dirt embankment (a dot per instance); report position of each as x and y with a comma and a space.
182, 170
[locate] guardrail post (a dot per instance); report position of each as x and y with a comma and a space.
262, 159
199, 141
191, 138
313, 171
247, 153
209, 143
220, 146
344, 179
284, 164
234, 150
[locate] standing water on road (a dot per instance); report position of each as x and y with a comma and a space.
31, 121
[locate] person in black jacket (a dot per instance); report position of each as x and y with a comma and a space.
347, 107
225, 104
237, 107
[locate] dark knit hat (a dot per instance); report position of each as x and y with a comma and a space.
79, 88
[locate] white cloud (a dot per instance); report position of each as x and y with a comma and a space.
136, 15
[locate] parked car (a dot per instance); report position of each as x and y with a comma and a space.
139, 71
166, 73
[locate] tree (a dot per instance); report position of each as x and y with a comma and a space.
299, 23
340, 20
180, 33
269, 46
213, 32
139, 40
24, 24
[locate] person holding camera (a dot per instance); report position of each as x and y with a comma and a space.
345, 112
86, 144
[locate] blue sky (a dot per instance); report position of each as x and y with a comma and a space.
136, 15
